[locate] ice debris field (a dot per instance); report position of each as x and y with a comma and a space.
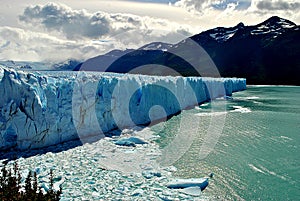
39, 109
96, 172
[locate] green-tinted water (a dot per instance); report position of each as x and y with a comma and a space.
257, 155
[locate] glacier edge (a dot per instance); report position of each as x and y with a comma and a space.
40, 109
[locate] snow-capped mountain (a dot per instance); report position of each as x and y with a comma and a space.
272, 27
267, 53
222, 34
157, 46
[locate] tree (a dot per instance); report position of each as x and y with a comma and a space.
10, 186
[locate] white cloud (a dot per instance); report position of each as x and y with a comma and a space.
72, 23
194, 6
279, 5
24, 45
231, 13
200, 6
56, 32
77, 24
289, 9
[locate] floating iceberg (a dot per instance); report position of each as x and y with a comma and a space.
201, 183
39, 109
130, 142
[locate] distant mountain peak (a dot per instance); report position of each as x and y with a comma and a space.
240, 25
273, 19
272, 27
276, 21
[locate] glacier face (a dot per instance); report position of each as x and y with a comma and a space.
39, 109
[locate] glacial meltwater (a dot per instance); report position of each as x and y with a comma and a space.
251, 142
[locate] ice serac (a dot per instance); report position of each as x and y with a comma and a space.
39, 109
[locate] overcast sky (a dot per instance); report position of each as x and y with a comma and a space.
38, 30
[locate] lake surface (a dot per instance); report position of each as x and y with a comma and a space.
257, 155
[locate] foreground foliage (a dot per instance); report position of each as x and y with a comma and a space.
11, 188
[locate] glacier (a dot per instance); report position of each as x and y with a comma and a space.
44, 108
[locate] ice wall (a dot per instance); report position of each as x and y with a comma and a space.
39, 109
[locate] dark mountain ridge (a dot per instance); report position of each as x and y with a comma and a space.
267, 53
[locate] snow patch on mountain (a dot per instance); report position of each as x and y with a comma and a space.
157, 46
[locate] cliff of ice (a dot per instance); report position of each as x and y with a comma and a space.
39, 109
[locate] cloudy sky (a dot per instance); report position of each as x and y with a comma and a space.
38, 30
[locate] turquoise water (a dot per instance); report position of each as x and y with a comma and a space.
256, 156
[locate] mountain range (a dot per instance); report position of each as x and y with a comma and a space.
267, 53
